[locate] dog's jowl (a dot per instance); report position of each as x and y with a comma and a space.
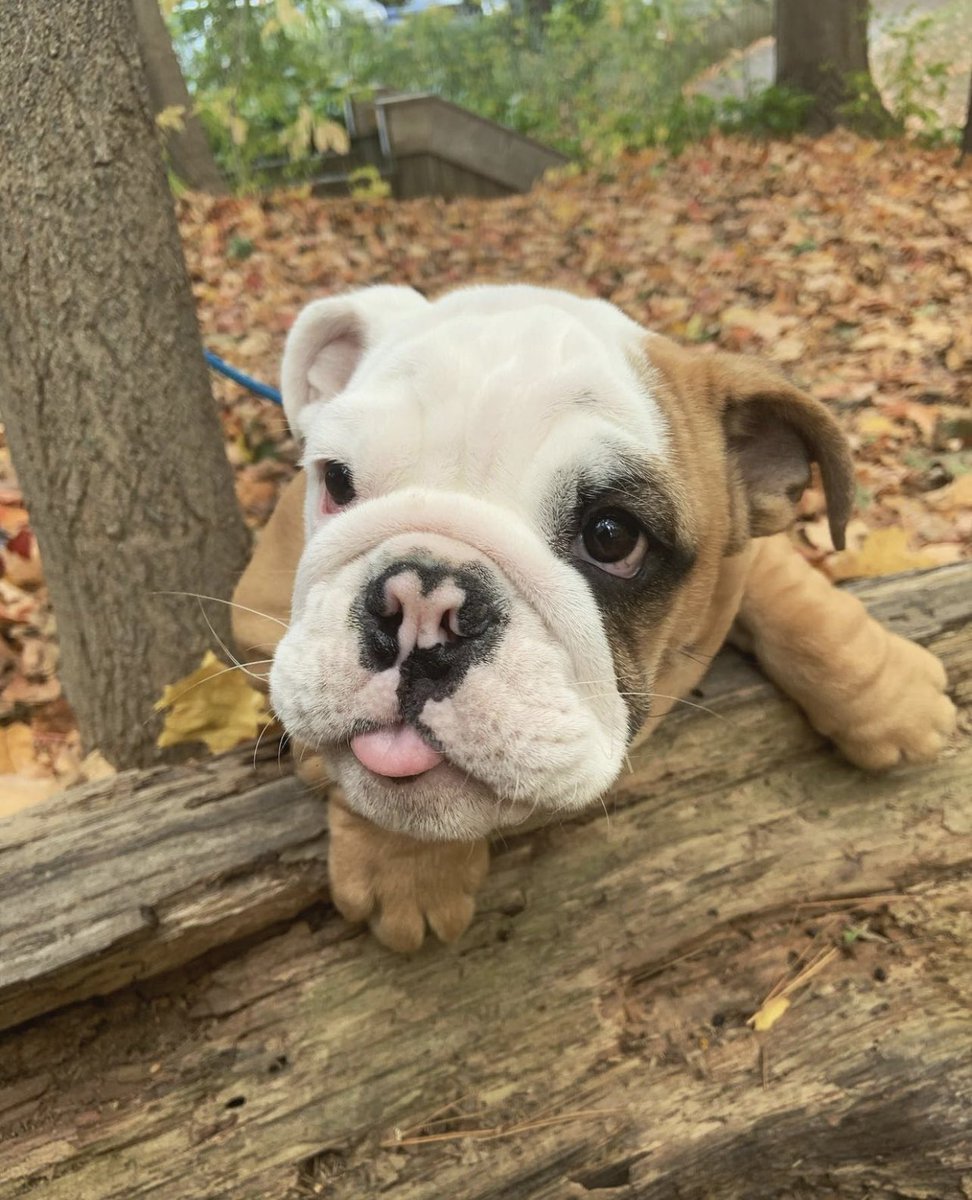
523, 525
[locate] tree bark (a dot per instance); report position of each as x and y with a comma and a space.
821, 49
590, 1028
190, 154
105, 393
967, 133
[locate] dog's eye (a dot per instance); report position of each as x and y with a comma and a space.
613, 540
338, 486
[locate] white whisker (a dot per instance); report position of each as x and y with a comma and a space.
230, 603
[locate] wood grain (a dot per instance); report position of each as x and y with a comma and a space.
140, 873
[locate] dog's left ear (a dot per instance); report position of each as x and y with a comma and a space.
774, 432
329, 338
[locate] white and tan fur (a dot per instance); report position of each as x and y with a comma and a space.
465, 422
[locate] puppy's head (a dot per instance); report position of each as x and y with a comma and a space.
517, 504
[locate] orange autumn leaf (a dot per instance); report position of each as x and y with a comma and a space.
214, 704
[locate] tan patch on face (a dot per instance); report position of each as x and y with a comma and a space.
742, 439
662, 649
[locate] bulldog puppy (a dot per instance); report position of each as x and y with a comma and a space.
523, 526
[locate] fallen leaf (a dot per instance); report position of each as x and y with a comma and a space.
787, 349
876, 425
953, 498
13, 518
95, 766
214, 705
23, 568
16, 748
884, 552
761, 321
17, 793
769, 1014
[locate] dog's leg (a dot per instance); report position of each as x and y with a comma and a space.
399, 884
879, 697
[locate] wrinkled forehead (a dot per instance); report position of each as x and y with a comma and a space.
496, 401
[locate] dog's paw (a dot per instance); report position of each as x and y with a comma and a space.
399, 885
903, 716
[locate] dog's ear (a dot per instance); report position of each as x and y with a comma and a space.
772, 433
326, 342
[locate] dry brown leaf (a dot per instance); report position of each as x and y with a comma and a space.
787, 349
214, 705
24, 572
761, 321
953, 498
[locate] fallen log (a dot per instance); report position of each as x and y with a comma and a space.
140, 873
590, 1034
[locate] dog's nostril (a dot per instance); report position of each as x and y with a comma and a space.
449, 625
382, 606
390, 624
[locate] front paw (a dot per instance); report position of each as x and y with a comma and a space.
903, 715
400, 885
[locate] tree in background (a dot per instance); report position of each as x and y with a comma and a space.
821, 49
189, 152
104, 390
967, 133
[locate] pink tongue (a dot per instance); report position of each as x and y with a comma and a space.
395, 751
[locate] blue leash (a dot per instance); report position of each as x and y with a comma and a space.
252, 385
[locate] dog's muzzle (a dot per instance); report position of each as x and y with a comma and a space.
433, 620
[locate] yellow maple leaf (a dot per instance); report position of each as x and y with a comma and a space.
214, 704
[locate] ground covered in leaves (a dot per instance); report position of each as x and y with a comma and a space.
848, 263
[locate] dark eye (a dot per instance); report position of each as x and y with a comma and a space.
338, 486
613, 540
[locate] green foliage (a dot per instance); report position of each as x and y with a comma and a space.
239, 248
772, 112
259, 87
864, 110
591, 77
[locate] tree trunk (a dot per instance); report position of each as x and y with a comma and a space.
821, 49
190, 154
104, 389
967, 135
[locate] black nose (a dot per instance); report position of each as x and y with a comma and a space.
434, 619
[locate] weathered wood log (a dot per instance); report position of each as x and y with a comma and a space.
140, 873
590, 1030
